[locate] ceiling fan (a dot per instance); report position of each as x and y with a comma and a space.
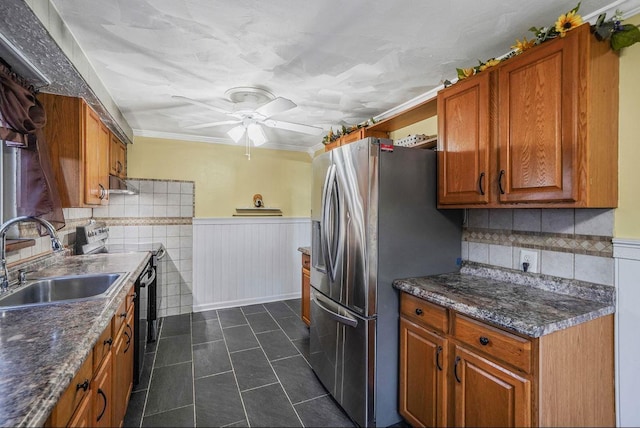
249, 108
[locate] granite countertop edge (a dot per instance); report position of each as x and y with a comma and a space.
494, 315
305, 250
49, 391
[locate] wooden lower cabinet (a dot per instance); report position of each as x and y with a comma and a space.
99, 393
102, 392
423, 366
489, 395
458, 371
123, 369
82, 416
305, 305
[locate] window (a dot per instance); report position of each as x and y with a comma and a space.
8, 158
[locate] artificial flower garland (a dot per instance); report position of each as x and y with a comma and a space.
619, 35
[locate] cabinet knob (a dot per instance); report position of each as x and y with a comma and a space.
108, 341
83, 386
484, 341
418, 311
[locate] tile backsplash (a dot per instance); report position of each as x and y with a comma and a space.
161, 212
571, 243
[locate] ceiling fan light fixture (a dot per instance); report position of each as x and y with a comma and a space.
256, 134
236, 133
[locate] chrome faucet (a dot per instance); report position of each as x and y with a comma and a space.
56, 245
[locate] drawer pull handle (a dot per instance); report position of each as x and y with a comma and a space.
418, 311
104, 397
108, 341
500, 181
480, 183
455, 369
84, 385
484, 341
438, 352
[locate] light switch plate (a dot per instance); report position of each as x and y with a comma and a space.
531, 257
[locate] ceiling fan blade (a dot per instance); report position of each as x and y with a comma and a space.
212, 124
201, 104
275, 106
296, 127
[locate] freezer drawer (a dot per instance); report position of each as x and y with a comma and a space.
342, 355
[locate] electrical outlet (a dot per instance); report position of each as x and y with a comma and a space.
531, 257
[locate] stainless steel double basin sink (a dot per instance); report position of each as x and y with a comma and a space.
61, 289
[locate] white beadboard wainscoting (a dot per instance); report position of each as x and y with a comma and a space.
246, 260
627, 265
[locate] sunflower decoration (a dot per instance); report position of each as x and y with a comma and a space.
523, 45
568, 21
490, 63
463, 73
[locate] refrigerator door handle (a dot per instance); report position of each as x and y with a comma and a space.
324, 236
329, 225
324, 304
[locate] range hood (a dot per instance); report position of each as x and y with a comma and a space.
119, 186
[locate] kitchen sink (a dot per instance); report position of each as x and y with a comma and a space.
62, 289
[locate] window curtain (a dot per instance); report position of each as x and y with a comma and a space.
22, 119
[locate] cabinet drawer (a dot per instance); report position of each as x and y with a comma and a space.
497, 343
78, 389
424, 312
131, 297
102, 347
119, 317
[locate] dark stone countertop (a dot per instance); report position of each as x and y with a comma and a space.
42, 347
305, 250
530, 304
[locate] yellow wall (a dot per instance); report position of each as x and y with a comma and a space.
427, 127
224, 178
627, 216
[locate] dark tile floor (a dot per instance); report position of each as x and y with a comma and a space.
246, 366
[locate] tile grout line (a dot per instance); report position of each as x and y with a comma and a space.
193, 371
153, 365
233, 370
274, 371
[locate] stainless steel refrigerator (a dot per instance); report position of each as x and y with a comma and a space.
374, 219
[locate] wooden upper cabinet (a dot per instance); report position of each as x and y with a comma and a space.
96, 165
537, 135
552, 135
79, 149
117, 157
463, 142
355, 136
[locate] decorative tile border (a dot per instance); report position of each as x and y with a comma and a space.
601, 246
145, 221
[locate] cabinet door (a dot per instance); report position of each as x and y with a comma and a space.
463, 142
537, 123
423, 357
487, 394
82, 416
117, 157
96, 156
123, 370
306, 297
102, 394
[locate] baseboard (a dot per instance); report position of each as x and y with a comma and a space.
244, 302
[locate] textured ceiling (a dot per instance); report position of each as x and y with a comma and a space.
341, 62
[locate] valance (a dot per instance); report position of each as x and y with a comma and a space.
22, 119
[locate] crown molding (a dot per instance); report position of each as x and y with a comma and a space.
213, 140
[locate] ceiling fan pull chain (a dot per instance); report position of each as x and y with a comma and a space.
247, 147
